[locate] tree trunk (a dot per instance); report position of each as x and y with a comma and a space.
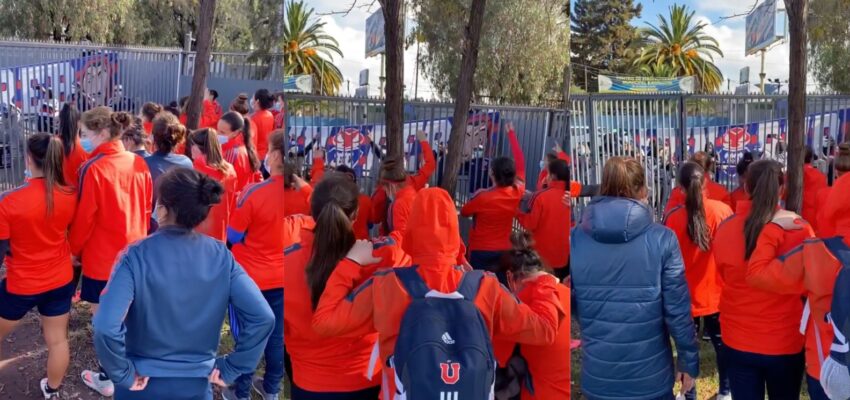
394, 88
206, 20
463, 96
566, 141
797, 20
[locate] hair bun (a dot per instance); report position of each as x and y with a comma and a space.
209, 191
122, 119
844, 149
522, 241
242, 97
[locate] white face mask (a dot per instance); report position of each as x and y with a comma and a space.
222, 139
542, 165
266, 163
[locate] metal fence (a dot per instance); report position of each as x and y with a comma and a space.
347, 127
661, 130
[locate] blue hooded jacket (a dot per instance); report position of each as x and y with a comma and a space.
161, 313
630, 294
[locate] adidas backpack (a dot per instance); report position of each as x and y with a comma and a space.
444, 350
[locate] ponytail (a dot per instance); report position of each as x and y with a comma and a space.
692, 178
69, 120
333, 206
47, 153
764, 184
249, 145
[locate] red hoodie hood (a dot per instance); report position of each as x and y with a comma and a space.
433, 236
837, 208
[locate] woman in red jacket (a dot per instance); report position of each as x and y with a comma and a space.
714, 190
695, 225
382, 300
813, 182
262, 119
207, 159
761, 338
235, 136
547, 215
34, 223
380, 201
548, 365
338, 366
76, 152
149, 111
493, 210
831, 215
256, 235
740, 194
114, 209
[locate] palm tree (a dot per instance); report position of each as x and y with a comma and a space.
681, 47
308, 50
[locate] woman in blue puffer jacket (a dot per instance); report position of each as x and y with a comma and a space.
630, 294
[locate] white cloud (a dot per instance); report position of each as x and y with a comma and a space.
349, 31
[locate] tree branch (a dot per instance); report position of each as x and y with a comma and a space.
350, 8
733, 16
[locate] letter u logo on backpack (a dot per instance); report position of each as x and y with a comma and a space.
443, 349
450, 377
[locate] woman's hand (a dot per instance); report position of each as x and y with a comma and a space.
215, 378
687, 382
139, 383
361, 253
299, 182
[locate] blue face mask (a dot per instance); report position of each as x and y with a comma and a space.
87, 145
266, 163
222, 139
27, 173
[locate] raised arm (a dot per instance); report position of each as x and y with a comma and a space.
516, 151
421, 178
317, 171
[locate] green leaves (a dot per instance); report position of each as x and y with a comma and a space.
679, 47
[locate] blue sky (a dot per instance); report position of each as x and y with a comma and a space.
350, 32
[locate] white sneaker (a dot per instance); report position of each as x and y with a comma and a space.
93, 380
257, 384
724, 397
44, 387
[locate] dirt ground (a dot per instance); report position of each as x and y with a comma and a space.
24, 359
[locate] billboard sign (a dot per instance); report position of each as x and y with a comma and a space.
761, 27
744, 76
364, 77
635, 84
375, 42
298, 83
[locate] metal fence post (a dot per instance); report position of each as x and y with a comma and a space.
594, 147
681, 137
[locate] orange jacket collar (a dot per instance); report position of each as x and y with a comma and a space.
558, 185
233, 142
110, 147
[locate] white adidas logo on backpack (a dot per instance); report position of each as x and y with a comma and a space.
447, 339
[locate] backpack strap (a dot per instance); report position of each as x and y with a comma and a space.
839, 250
470, 283
412, 282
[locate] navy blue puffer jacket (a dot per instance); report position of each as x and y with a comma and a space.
631, 296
